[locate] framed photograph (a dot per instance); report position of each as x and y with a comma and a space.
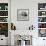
42, 33
23, 14
4, 29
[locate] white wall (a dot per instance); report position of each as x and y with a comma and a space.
25, 4
32, 5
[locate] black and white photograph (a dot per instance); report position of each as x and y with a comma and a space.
3, 19
42, 32
41, 19
23, 14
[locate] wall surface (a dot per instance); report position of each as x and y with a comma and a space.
25, 4
32, 5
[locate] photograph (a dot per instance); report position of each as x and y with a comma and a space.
41, 6
42, 33
3, 19
41, 13
41, 19
4, 29
41, 25
23, 14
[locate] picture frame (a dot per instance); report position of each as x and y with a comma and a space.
42, 33
22, 14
